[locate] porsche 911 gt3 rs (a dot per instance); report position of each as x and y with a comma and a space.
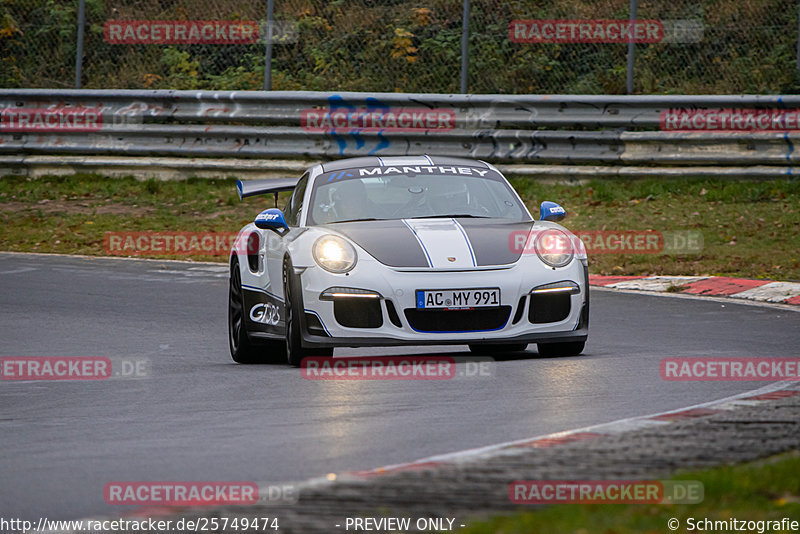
376, 251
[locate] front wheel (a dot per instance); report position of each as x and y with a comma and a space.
242, 349
295, 352
572, 348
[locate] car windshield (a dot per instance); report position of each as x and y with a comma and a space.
369, 194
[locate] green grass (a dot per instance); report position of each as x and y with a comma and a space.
750, 228
762, 490
71, 214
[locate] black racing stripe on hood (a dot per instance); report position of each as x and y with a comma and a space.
390, 242
492, 242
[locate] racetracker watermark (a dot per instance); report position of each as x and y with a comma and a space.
729, 369
606, 491
396, 368
72, 368
222, 32
175, 493
585, 31
730, 120
58, 119
607, 242
177, 243
377, 119
180, 493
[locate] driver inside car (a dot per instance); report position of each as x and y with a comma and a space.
350, 201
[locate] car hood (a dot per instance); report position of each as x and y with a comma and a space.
439, 243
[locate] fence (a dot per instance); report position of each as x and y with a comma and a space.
714, 131
513, 47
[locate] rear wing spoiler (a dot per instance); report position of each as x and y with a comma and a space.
251, 188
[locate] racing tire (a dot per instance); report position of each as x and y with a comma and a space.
489, 349
295, 352
572, 348
242, 349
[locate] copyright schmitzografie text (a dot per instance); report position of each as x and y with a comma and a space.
741, 525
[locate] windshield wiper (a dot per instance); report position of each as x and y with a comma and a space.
354, 220
456, 216
463, 215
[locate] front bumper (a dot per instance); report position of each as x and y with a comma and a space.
397, 288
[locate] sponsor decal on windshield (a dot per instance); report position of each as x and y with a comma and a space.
403, 170
422, 169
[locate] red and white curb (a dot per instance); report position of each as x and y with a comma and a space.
713, 286
771, 392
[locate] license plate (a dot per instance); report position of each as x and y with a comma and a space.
457, 299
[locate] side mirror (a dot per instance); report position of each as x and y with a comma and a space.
271, 219
550, 211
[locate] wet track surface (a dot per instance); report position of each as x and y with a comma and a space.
199, 416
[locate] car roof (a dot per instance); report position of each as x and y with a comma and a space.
389, 161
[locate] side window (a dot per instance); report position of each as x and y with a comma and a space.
295, 204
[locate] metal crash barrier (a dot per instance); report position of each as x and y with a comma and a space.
652, 130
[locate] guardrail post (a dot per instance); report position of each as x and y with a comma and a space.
79, 46
464, 47
631, 52
268, 50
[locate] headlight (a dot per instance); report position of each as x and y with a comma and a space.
334, 254
554, 247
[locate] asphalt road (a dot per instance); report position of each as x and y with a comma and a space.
199, 416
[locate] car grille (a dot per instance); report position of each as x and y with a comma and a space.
474, 320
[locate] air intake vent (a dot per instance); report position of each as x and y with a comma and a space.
549, 307
314, 325
392, 312
520, 310
358, 313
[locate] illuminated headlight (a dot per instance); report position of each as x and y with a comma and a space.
334, 254
554, 247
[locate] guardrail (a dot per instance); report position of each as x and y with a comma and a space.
554, 129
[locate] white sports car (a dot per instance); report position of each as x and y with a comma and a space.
420, 250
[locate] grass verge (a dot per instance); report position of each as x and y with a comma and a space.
765, 490
750, 228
